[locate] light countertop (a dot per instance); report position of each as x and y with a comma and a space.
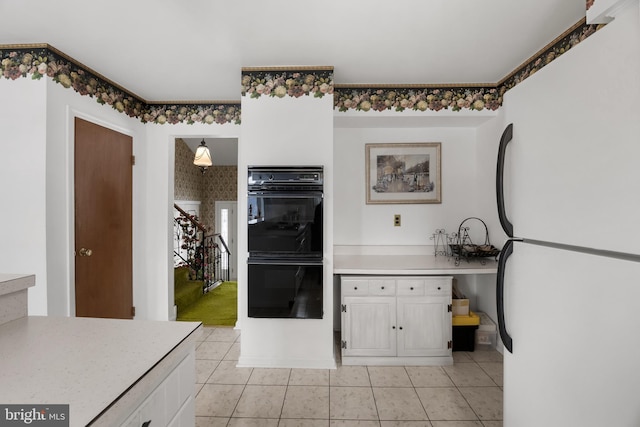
84, 362
14, 295
404, 260
10, 283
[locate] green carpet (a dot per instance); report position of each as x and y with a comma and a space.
219, 307
186, 292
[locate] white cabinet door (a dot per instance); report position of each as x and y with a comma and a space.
171, 403
424, 326
185, 416
153, 408
369, 327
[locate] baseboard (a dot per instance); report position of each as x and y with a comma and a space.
397, 361
253, 362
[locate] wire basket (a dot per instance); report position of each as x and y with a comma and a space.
462, 246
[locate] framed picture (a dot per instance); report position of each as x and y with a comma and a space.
403, 173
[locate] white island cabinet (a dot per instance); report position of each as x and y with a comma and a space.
403, 320
110, 372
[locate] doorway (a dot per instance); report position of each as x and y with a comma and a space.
227, 226
216, 189
103, 178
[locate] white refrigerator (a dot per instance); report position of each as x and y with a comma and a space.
568, 190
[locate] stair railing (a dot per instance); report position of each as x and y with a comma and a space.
207, 255
216, 260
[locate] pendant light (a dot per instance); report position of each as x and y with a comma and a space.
203, 157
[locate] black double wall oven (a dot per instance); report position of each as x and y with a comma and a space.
285, 242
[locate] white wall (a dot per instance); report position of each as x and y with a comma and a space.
468, 190
23, 169
357, 223
286, 132
36, 171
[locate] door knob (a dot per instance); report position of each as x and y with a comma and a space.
85, 252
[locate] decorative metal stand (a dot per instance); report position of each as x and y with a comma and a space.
441, 246
462, 247
452, 240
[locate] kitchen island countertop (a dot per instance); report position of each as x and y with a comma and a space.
15, 282
87, 363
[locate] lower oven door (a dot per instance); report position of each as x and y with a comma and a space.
285, 288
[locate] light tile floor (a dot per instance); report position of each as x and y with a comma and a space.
467, 394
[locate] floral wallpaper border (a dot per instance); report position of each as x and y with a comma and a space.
291, 81
162, 113
571, 38
416, 98
455, 97
37, 61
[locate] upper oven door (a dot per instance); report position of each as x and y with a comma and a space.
283, 224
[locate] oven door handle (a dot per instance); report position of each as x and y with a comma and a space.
284, 261
286, 194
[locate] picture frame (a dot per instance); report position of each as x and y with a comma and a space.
403, 173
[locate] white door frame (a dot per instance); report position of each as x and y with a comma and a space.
232, 207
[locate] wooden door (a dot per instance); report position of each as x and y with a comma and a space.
103, 222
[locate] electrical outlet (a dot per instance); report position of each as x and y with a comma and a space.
396, 220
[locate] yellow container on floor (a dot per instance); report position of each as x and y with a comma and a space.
471, 320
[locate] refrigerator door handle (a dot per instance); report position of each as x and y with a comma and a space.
507, 135
507, 250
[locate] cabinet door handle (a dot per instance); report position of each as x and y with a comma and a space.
439, 288
381, 287
355, 288
146, 423
400, 327
393, 327
411, 288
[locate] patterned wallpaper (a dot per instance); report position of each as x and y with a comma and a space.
188, 178
218, 183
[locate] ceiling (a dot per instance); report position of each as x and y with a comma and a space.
194, 50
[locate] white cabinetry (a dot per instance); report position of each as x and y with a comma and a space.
396, 320
171, 403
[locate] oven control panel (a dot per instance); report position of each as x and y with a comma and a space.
267, 175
